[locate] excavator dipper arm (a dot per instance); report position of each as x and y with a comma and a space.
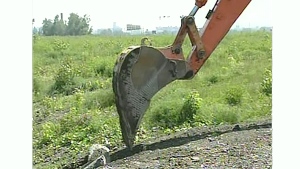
141, 71
219, 21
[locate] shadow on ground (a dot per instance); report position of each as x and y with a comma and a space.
184, 138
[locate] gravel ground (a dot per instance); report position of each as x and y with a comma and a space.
242, 146
236, 146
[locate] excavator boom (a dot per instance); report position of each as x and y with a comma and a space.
219, 21
141, 71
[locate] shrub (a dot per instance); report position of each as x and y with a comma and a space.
190, 107
266, 85
64, 79
233, 96
60, 45
49, 132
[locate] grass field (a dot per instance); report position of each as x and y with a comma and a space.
73, 102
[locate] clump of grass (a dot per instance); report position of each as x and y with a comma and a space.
100, 99
212, 79
233, 95
173, 114
226, 114
166, 115
53, 54
105, 67
36, 88
216, 114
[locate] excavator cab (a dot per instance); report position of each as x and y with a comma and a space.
141, 71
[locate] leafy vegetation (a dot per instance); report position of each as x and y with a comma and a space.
73, 102
76, 25
267, 82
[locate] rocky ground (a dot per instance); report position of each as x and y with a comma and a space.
246, 145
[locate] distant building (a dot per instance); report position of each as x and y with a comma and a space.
167, 29
116, 28
135, 32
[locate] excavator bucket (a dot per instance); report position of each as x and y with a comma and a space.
139, 73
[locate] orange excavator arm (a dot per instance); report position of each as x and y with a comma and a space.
141, 71
219, 21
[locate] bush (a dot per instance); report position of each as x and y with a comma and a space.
190, 107
64, 79
266, 85
60, 45
49, 132
233, 96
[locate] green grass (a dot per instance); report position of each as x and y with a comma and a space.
73, 102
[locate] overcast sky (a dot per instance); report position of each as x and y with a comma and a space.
144, 12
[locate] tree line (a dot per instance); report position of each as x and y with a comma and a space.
74, 26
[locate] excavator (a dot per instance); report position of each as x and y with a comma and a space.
141, 71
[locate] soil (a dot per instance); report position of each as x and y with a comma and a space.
247, 145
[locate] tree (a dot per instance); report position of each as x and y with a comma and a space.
47, 27
78, 25
59, 26
106, 32
34, 30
